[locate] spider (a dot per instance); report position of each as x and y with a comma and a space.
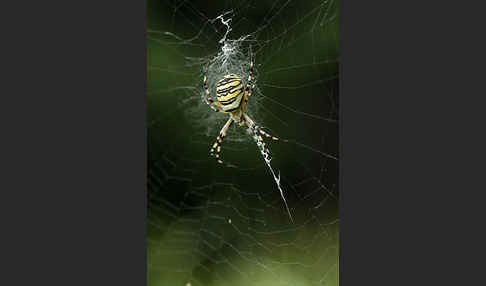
232, 99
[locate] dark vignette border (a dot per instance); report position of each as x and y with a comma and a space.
410, 82
74, 143
74, 149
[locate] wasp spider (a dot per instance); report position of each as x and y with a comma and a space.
232, 98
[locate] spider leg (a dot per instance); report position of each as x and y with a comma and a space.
217, 145
256, 128
249, 85
250, 73
257, 131
246, 95
209, 101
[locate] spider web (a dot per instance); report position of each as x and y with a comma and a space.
212, 225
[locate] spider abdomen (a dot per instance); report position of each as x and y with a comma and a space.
229, 92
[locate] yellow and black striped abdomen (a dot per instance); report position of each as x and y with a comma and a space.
229, 92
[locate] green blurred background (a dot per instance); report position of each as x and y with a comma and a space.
210, 225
